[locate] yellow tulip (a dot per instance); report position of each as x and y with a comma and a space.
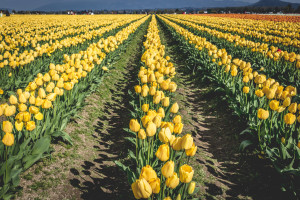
293, 108
13, 99
187, 141
287, 102
176, 144
174, 109
134, 125
8, 139
30, 126
163, 152
246, 89
22, 98
151, 129
42, 93
164, 135
10, 110
157, 120
259, 93
167, 169
39, 116
289, 118
138, 89
167, 198
34, 110
141, 189
46, 104
142, 134
7, 127
155, 185
192, 151
274, 105
22, 107
145, 107
262, 114
19, 125
178, 128
191, 187
172, 87
166, 101
186, 173
177, 119
148, 173
173, 181
26, 116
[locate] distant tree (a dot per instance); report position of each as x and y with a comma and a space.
297, 10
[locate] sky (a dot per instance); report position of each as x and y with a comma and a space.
32, 4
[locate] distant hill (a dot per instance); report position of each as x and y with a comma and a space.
137, 4
274, 3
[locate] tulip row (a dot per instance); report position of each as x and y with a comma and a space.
250, 30
285, 72
269, 108
15, 78
47, 103
17, 33
263, 48
273, 18
161, 157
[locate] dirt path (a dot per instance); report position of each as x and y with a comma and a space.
220, 170
86, 170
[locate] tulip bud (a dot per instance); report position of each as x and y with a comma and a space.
134, 125
46, 104
168, 169
191, 187
174, 109
39, 116
8, 139
167, 198
186, 173
162, 112
178, 197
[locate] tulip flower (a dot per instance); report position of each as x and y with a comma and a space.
8, 139
30, 126
262, 114
142, 134
192, 151
174, 109
187, 141
173, 181
148, 173
167, 169
163, 152
7, 127
19, 125
141, 189
289, 118
164, 135
155, 185
151, 129
186, 173
134, 125
274, 105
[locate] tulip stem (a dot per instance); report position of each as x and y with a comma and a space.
148, 150
5, 164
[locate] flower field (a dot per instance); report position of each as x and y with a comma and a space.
123, 97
